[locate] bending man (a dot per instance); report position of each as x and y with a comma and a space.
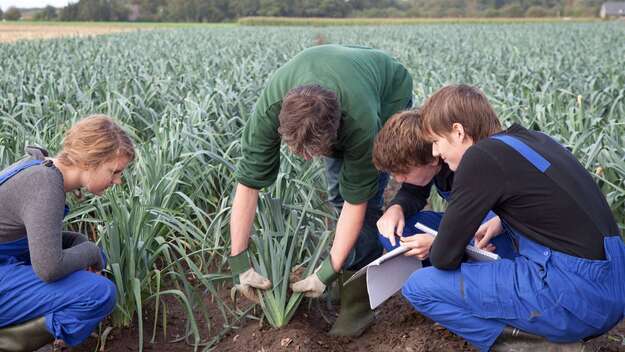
328, 101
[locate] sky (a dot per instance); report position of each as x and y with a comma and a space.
5, 4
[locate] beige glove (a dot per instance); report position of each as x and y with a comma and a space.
311, 286
314, 284
250, 280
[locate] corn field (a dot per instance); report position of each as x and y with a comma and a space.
185, 95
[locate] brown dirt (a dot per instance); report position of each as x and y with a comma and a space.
10, 32
397, 328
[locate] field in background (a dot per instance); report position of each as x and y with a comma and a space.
363, 21
28, 30
10, 32
185, 95
13, 31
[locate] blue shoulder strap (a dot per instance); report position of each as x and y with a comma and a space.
7, 174
526, 151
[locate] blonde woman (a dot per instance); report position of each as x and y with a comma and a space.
48, 286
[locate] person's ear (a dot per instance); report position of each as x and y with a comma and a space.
457, 132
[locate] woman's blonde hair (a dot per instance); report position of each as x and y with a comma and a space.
94, 140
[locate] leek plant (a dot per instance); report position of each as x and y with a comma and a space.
291, 232
288, 239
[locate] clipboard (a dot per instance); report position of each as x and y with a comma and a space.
387, 274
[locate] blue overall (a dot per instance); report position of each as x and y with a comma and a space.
540, 291
503, 242
72, 306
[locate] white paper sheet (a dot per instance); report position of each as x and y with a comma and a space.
472, 251
395, 252
384, 280
387, 274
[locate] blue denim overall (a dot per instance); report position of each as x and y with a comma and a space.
541, 291
72, 306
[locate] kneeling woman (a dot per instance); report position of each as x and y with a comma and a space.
48, 285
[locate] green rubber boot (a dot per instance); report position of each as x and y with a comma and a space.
25, 337
355, 315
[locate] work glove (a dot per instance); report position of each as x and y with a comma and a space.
314, 284
247, 279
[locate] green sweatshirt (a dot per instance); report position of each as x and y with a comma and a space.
370, 85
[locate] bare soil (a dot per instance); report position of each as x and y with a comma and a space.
397, 328
12, 32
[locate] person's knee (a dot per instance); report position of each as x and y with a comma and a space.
418, 288
105, 294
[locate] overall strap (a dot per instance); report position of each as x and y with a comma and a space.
7, 174
526, 151
528, 248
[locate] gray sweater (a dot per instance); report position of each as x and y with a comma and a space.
31, 204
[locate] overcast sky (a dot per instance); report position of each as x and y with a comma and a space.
5, 4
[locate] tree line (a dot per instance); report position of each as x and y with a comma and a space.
228, 10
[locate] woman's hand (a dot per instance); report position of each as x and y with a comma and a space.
418, 245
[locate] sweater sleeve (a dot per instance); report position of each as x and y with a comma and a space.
260, 148
478, 185
358, 179
42, 200
72, 239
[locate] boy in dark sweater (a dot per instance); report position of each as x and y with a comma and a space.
567, 283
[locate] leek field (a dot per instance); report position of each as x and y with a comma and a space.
185, 95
